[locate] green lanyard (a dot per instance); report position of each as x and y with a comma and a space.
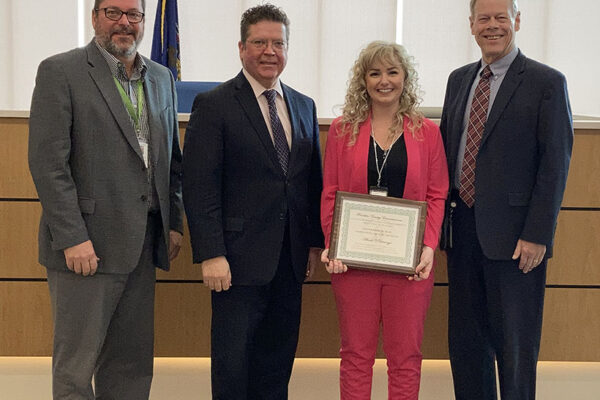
134, 113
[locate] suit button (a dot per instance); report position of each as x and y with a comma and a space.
143, 197
281, 216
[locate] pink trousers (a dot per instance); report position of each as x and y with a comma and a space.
365, 301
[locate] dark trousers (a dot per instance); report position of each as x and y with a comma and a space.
254, 336
104, 327
495, 313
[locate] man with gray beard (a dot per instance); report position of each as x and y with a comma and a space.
105, 158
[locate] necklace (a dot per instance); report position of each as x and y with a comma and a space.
386, 153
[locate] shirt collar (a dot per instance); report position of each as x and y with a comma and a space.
117, 68
258, 88
500, 67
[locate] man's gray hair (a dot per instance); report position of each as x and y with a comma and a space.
515, 7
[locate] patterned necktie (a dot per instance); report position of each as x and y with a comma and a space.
477, 118
279, 140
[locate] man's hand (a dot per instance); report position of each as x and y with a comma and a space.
333, 266
82, 259
216, 273
423, 270
175, 239
314, 261
531, 255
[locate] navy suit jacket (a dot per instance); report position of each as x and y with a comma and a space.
523, 160
237, 200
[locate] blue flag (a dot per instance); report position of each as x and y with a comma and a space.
165, 42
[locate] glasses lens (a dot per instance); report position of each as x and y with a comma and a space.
262, 44
113, 14
134, 16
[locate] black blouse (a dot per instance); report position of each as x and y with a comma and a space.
393, 175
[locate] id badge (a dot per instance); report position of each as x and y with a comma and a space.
144, 147
378, 191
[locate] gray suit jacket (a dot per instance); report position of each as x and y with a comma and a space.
87, 164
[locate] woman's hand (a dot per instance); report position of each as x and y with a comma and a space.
426, 263
332, 266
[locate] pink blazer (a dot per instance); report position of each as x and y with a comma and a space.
345, 169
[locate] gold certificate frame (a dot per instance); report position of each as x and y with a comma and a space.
377, 232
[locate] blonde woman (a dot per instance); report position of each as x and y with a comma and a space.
382, 143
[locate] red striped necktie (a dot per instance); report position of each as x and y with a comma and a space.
477, 118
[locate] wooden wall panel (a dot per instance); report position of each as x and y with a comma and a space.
440, 267
323, 130
16, 180
576, 259
571, 321
435, 339
320, 275
583, 183
18, 240
26, 319
571, 330
183, 316
182, 320
16, 183
319, 332
574, 262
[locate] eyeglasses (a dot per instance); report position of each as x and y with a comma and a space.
261, 44
114, 14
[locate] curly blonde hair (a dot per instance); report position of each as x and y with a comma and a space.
357, 105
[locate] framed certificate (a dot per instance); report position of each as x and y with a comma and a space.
376, 232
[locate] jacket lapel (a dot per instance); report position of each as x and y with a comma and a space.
359, 178
511, 82
246, 98
156, 134
462, 97
102, 76
292, 109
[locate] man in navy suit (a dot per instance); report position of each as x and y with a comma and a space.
252, 184
508, 133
